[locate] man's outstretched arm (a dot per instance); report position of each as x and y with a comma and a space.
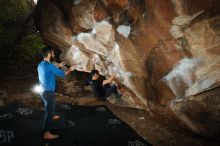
60, 73
109, 80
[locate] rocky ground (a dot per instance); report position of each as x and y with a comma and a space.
157, 128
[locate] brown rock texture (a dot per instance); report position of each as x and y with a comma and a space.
165, 53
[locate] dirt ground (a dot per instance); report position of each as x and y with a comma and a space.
158, 129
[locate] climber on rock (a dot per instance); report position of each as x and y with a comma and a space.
103, 88
46, 74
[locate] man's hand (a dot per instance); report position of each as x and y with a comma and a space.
114, 74
72, 68
61, 64
108, 81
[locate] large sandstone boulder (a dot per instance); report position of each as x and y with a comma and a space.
162, 51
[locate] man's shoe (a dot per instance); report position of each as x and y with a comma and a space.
50, 136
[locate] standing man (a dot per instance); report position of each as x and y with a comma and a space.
46, 74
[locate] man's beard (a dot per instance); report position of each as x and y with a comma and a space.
52, 59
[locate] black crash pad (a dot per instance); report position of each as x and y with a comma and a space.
78, 126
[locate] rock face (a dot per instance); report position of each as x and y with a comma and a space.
200, 112
165, 53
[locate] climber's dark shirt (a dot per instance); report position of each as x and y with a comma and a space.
98, 89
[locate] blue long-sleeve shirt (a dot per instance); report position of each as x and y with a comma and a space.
47, 73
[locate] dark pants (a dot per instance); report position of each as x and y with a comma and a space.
110, 90
48, 98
